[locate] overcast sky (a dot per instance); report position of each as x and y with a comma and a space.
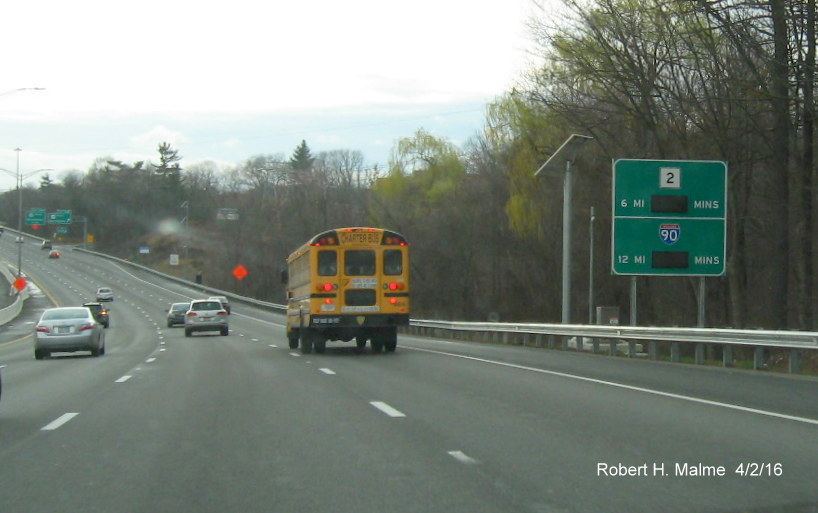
225, 81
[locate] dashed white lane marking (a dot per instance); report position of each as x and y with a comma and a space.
463, 458
56, 424
294, 354
273, 346
123, 379
150, 360
327, 371
392, 412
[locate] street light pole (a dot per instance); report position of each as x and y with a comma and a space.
19, 216
591, 269
564, 156
19, 179
185, 205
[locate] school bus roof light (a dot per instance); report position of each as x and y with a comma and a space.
325, 241
393, 239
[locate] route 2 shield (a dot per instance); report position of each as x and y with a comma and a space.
670, 233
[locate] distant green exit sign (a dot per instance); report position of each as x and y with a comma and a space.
669, 217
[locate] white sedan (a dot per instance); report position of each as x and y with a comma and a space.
105, 294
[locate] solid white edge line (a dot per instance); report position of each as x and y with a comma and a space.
385, 408
463, 458
629, 387
59, 422
123, 379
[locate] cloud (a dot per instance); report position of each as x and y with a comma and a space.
231, 142
157, 135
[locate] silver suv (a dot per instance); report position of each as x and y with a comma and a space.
206, 315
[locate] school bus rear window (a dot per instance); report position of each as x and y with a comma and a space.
359, 262
327, 263
392, 262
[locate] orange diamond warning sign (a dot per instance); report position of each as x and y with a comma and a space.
240, 272
20, 284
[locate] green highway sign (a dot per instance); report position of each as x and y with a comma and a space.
669, 217
35, 216
59, 217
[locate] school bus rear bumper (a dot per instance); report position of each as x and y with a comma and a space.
358, 320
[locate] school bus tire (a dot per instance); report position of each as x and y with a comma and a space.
319, 344
376, 343
292, 338
390, 342
306, 337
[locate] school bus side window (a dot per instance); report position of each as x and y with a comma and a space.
327, 263
392, 262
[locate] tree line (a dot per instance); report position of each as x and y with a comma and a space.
724, 80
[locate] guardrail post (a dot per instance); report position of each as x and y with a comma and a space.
727, 356
580, 344
538, 340
564, 340
596, 345
551, 341
699, 354
758, 358
631, 349
652, 350
612, 346
674, 352
795, 362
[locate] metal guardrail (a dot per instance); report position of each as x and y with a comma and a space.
784, 339
625, 338
618, 338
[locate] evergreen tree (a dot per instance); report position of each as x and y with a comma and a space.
46, 181
302, 158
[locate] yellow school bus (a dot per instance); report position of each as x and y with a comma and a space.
348, 284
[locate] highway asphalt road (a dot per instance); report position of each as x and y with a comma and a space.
164, 423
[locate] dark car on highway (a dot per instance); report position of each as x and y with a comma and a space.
101, 314
176, 313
